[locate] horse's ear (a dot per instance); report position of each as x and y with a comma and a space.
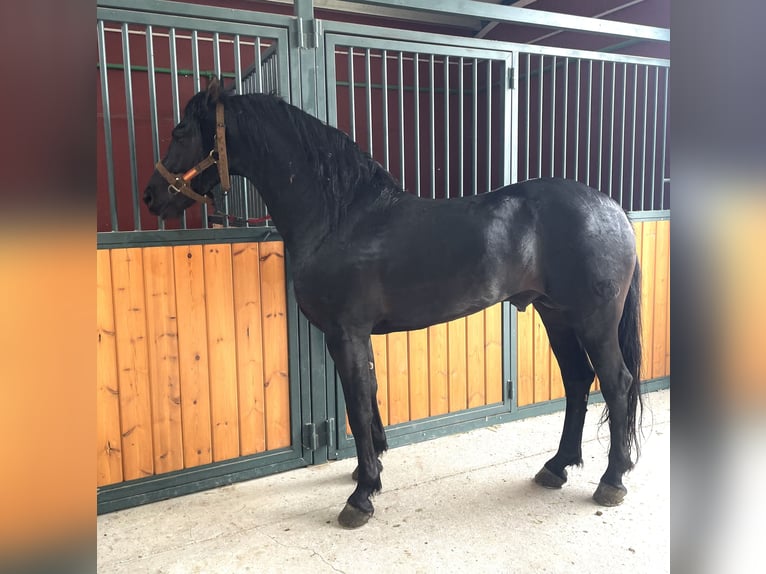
214, 90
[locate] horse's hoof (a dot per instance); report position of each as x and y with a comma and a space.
355, 474
352, 517
549, 479
608, 495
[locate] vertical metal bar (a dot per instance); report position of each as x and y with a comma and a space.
577, 126
566, 105
633, 135
416, 97
664, 140
588, 128
475, 101
527, 117
107, 125
643, 131
174, 76
152, 94
258, 71
460, 121
241, 195
611, 130
622, 131
432, 123
131, 127
351, 100
237, 65
174, 90
384, 75
654, 139
510, 124
368, 94
196, 80
540, 122
601, 128
217, 54
195, 60
150, 71
553, 116
489, 125
400, 62
446, 128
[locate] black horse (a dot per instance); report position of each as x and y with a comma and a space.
369, 258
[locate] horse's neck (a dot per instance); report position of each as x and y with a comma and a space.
298, 209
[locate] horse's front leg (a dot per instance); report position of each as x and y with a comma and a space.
351, 359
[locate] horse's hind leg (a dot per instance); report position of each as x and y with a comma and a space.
378, 432
603, 347
351, 359
578, 376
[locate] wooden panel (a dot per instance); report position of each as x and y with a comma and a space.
418, 374
493, 353
162, 337
456, 360
132, 360
247, 314
659, 335
221, 350
275, 361
648, 261
380, 354
526, 357
667, 314
108, 440
438, 369
542, 355
477, 393
557, 382
193, 355
398, 379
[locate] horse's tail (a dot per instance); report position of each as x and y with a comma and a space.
630, 344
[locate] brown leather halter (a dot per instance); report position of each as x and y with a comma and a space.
179, 183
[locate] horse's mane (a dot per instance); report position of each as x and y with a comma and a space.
344, 173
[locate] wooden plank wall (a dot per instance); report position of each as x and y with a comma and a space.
539, 377
442, 369
192, 356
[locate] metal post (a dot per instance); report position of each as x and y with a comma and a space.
416, 97
351, 99
432, 124
400, 62
489, 125
460, 119
131, 127
553, 117
475, 101
664, 138
446, 128
577, 126
107, 125
386, 158
368, 94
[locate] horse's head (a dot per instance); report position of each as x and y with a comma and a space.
184, 175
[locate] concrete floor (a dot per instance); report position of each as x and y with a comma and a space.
464, 503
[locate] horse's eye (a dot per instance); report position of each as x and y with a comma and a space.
180, 130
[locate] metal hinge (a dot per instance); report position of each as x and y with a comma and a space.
310, 438
511, 79
307, 33
317, 435
510, 390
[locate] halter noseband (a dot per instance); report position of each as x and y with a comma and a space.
179, 183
